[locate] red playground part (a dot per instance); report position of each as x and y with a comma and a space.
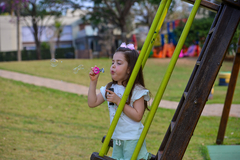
167, 51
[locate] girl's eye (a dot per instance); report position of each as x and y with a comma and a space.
119, 63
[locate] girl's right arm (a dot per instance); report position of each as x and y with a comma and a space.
93, 99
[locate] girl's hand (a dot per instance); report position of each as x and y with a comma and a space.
92, 75
112, 97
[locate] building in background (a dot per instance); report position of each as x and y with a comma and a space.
8, 34
69, 33
8, 31
91, 43
75, 34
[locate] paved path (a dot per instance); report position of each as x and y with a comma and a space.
209, 109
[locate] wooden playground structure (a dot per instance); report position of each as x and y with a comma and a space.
199, 86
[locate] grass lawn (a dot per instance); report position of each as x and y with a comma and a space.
41, 123
154, 71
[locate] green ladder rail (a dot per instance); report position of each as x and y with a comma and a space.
156, 32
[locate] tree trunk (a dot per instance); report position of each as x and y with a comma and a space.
52, 46
36, 39
38, 49
19, 56
35, 31
123, 31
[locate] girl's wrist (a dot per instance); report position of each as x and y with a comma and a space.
94, 82
118, 102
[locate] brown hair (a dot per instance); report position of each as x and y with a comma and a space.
131, 57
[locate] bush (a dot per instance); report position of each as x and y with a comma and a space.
32, 54
8, 56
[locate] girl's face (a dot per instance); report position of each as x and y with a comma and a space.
119, 69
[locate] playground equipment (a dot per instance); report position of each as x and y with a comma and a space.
224, 78
167, 51
193, 51
196, 93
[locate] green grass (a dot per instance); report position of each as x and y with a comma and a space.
153, 72
41, 123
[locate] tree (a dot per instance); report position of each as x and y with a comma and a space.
198, 32
58, 29
39, 12
54, 37
234, 43
146, 10
107, 39
113, 12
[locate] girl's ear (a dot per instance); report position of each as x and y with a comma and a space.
128, 70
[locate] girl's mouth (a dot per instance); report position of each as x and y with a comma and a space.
112, 72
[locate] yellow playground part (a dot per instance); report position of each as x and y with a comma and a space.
224, 78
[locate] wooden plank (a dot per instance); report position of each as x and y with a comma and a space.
229, 97
198, 63
206, 4
211, 31
202, 84
172, 125
235, 3
185, 94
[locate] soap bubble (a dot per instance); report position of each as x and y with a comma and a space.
54, 62
76, 69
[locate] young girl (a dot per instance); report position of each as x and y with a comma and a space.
129, 127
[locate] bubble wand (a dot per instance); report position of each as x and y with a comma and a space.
96, 70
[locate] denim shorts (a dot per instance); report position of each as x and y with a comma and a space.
123, 150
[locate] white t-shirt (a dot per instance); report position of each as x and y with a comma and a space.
126, 129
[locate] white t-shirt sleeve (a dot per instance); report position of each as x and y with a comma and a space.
103, 91
139, 92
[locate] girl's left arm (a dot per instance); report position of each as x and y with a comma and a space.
136, 112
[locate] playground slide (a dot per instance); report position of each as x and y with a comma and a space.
192, 51
181, 54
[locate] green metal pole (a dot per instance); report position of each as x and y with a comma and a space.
154, 37
103, 150
152, 31
156, 32
166, 78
